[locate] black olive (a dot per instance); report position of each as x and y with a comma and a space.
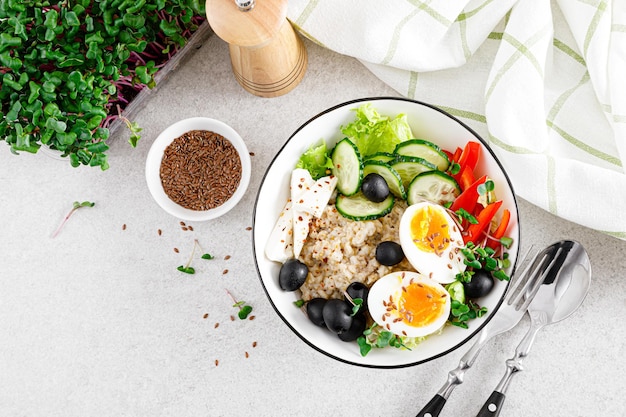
480, 285
314, 310
389, 253
355, 330
292, 275
375, 188
337, 315
358, 290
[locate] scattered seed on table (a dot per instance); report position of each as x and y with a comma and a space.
254, 344
217, 362
190, 228
251, 153
251, 317
227, 257
182, 223
248, 228
205, 315
247, 355
225, 272
124, 226
176, 250
232, 318
159, 231
216, 325
185, 228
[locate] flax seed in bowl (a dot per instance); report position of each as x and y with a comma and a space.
198, 169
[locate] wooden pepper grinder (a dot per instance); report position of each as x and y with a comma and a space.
268, 57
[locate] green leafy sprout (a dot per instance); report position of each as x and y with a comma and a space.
67, 69
244, 308
75, 206
477, 257
376, 337
187, 268
461, 313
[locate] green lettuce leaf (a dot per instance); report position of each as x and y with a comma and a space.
316, 160
373, 133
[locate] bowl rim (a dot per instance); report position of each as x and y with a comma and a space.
155, 157
472, 333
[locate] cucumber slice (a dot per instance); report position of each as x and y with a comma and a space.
422, 148
381, 156
347, 167
358, 207
434, 186
388, 173
409, 166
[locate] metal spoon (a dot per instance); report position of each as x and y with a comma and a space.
560, 295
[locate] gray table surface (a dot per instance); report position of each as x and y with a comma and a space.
98, 321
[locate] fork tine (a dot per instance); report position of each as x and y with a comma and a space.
532, 279
541, 279
521, 280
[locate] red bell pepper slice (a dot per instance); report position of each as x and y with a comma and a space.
497, 234
470, 155
468, 198
456, 156
465, 178
475, 231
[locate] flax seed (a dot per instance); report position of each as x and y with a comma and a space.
200, 170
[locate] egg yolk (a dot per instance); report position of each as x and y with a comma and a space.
420, 305
430, 230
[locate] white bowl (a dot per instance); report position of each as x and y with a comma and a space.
427, 122
155, 155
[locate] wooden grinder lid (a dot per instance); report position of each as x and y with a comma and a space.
254, 27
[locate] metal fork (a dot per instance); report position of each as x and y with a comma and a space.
519, 295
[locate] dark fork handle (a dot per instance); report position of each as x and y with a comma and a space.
492, 406
433, 408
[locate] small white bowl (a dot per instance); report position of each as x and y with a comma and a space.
155, 156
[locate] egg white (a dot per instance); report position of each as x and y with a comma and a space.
441, 265
389, 288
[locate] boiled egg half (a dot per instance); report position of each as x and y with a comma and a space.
408, 304
432, 242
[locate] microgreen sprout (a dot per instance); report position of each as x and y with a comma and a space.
376, 337
244, 308
477, 257
187, 268
66, 67
75, 206
486, 192
463, 214
461, 313
357, 303
299, 303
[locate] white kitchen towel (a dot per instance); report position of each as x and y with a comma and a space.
543, 82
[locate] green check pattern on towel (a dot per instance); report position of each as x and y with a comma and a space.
543, 82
